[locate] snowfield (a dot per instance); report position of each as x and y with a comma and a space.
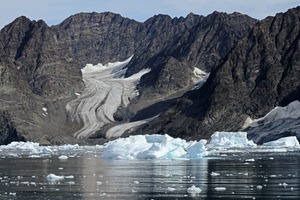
105, 91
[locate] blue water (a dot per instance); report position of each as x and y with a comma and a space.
236, 176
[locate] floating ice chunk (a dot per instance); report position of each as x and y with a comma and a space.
259, 187
230, 140
194, 189
284, 185
44, 109
54, 178
136, 182
99, 183
220, 188
69, 177
63, 157
250, 160
283, 142
170, 189
214, 174
153, 147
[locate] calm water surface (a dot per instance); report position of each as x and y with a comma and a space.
232, 176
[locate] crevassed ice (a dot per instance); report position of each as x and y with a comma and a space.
105, 91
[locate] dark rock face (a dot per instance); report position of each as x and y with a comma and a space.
194, 41
98, 37
259, 73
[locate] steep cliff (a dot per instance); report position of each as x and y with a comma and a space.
259, 73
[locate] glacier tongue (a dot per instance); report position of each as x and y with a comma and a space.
105, 90
278, 123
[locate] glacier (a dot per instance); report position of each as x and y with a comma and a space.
105, 91
280, 122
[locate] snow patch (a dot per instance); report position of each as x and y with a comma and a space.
199, 77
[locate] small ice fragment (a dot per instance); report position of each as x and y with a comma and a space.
71, 183
292, 188
170, 189
136, 182
271, 158
44, 109
12, 193
99, 183
63, 157
214, 174
33, 183
194, 189
133, 191
69, 177
250, 160
259, 187
60, 168
54, 178
284, 184
220, 188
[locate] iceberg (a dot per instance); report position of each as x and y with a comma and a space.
287, 142
230, 140
153, 147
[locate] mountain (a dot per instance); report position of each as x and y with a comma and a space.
258, 74
40, 65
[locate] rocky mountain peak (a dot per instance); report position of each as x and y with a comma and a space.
259, 73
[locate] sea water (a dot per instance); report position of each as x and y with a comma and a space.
83, 174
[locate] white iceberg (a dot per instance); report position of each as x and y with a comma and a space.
54, 178
283, 142
230, 140
194, 189
153, 147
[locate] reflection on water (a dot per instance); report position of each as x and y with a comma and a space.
243, 176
